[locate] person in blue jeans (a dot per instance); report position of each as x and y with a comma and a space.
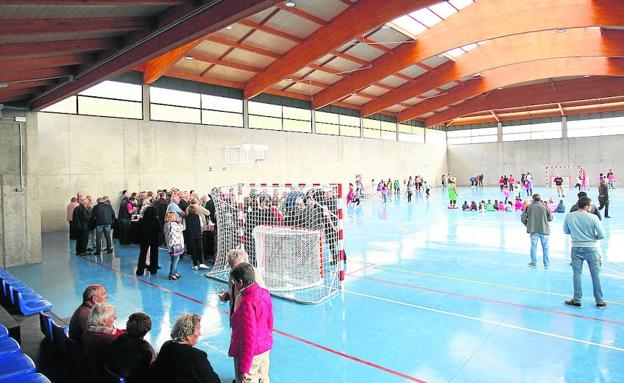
536, 217
586, 230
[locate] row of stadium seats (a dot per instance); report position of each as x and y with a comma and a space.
20, 295
15, 366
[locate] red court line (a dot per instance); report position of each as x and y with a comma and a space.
411, 286
288, 335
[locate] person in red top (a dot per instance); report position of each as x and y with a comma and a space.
501, 182
252, 327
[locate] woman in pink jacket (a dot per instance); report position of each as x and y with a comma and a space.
252, 327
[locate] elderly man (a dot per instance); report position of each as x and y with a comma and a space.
536, 217
104, 216
585, 230
70, 216
81, 218
235, 257
91, 296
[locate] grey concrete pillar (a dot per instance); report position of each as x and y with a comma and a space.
20, 218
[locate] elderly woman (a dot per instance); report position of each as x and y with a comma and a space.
180, 362
252, 327
129, 356
100, 332
149, 230
235, 257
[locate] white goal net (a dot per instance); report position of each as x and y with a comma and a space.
292, 233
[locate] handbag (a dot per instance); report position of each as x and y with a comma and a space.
176, 250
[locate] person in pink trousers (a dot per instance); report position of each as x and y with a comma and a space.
252, 327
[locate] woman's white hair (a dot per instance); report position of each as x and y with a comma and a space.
237, 254
184, 327
99, 314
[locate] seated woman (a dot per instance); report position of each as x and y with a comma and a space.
561, 207
100, 332
178, 360
129, 356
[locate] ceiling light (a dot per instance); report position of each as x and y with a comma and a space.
290, 4
190, 58
354, 94
499, 88
228, 27
3, 85
385, 26
288, 79
586, 75
561, 30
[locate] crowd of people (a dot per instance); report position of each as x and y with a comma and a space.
100, 349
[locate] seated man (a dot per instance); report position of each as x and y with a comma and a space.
91, 296
99, 333
129, 356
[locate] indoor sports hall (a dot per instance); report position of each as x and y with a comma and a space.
421, 186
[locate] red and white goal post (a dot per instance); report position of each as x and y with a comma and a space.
293, 234
569, 173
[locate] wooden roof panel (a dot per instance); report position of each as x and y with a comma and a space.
270, 42
292, 24
248, 58
325, 9
229, 74
393, 81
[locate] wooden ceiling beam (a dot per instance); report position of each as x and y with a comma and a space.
32, 75
43, 62
270, 30
94, 2
17, 27
55, 48
158, 66
301, 13
579, 42
505, 18
516, 74
205, 21
537, 94
354, 21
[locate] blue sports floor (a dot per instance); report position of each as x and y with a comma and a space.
432, 295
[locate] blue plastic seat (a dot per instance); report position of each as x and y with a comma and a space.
28, 378
4, 332
14, 365
6, 285
8, 346
33, 307
45, 323
61, 338
28, 295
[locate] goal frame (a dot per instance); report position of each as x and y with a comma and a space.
238, 202
551, 172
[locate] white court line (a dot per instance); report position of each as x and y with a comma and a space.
492, 322
485, 283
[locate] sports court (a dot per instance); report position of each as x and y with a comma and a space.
337, 141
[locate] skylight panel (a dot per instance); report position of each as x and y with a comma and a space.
409, 25
454, 53
426, 17
443, 9
461, 4
469, 47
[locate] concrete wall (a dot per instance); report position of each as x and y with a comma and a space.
102, 156
20, 219
595, 154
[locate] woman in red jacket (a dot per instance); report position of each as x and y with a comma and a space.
252, 327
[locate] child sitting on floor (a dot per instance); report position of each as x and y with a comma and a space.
489, 206
518, 204
509, 206
473, 206
561, 207
525, 203
465, 206
501, 206
482, 206
551, 206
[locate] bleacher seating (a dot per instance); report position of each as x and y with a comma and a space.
15, 366
25, 299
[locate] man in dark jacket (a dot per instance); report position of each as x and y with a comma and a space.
81, 217
592, 210
104, 216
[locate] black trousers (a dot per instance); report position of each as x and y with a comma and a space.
82, 237
153, 257
195, 248
604, 204
209, 245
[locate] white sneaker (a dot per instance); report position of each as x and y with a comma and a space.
202, 266
195, 268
